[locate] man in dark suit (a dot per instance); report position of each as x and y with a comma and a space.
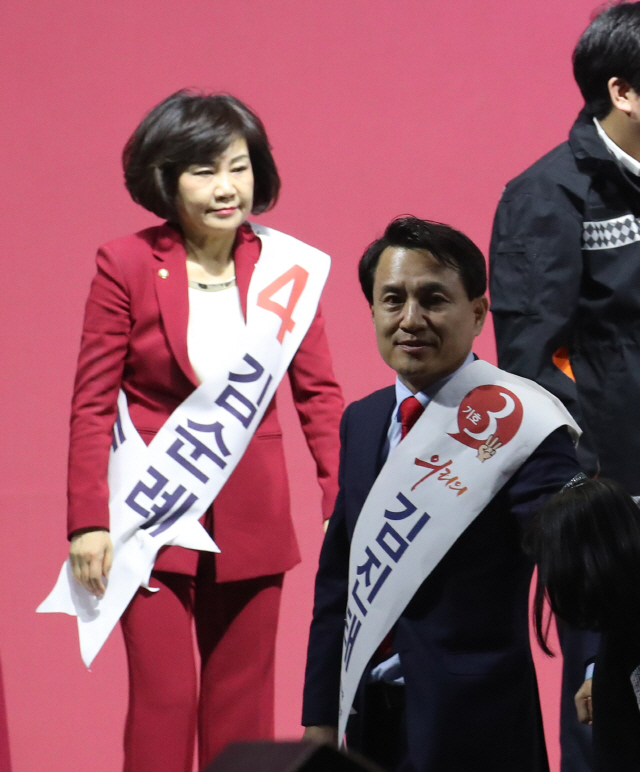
456, 689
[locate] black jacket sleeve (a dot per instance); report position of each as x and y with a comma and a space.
322, 677
535, 265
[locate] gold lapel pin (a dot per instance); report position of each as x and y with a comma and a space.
163, 273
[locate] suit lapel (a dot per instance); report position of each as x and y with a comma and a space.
380, 429
370, 424
172, 290
246, 252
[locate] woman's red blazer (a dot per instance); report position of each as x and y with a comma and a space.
135, 338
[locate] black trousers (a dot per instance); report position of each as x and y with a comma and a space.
378, 729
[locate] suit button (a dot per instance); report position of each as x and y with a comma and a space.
163, 273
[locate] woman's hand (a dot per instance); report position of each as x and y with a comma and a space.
91, 555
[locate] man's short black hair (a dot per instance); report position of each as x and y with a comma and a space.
447, 245
609, 48
192, 128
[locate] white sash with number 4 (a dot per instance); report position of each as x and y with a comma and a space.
159, 492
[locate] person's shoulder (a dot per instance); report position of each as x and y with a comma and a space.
556, 169
129, 258
380, 400
559, 440
283, 240
551, 465
142, 242
547, 165
364, 419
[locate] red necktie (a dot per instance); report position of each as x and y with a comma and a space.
410, 410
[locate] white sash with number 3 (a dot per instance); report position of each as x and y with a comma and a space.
473, 435
159, 492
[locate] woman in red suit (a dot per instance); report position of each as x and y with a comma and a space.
164, 306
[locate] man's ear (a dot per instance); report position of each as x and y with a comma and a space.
621, 95
480, 309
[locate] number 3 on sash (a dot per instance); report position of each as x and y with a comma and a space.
298, 276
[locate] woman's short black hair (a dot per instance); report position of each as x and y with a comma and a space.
586, 543
192, 128
449, 247
608, 48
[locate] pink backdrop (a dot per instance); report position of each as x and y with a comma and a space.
374, 108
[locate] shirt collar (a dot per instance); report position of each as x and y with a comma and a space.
623, 159
424, 397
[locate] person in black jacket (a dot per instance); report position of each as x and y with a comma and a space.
586, 543
565, 283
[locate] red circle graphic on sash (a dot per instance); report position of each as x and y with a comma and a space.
487, 411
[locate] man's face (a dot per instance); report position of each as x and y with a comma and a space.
425, 323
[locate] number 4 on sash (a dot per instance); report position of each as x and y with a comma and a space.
299, 277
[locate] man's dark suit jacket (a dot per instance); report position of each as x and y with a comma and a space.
471, 693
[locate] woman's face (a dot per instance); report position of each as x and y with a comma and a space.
216, 198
